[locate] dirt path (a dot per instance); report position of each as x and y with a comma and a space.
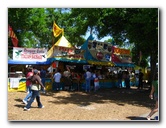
104, 105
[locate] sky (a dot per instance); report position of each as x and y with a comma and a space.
79, 4
95, 37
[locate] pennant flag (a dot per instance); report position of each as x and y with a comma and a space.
13, 37
57, 30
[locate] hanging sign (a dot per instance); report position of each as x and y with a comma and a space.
121, 51
65, 51
29, 54
121, 55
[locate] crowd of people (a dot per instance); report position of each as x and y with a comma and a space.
35, 83
127, 76
70, 78
91, 79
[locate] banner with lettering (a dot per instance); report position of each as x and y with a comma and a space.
120, 55
77, 57
29, 54
65, 51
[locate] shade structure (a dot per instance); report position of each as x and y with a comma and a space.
30, 62
124, 64
101, 63
66, 59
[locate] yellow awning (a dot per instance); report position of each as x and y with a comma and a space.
101, 63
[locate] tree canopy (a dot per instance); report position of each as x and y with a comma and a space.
136, 26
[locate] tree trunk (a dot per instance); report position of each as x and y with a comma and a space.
153, 61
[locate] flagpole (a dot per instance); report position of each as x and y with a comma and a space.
52, 35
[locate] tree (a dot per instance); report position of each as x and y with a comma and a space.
136, 26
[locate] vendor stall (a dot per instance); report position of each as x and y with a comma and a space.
109, 58
66, 55
22, 58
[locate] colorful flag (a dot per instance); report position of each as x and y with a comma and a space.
13, 37
56, 30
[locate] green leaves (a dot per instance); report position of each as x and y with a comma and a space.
139, 26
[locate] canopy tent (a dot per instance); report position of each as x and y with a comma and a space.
63, 51
62, 42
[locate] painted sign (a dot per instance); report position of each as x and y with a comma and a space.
121, 55
100, 50
121, 51
65, 51
29, 54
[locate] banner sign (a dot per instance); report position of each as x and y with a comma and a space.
121, 55
29, 54
100, 50
121, 51
79, 56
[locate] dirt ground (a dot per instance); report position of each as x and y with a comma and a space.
115, 104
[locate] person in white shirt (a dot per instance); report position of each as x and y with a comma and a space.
87, 80
57, 77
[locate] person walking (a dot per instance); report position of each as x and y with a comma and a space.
154, 94
57, 77
28, 85
35, 88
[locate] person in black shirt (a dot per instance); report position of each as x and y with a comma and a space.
120, 79
140, 85
43, 78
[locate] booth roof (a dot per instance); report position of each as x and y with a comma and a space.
101, 63
63, 42
63, 59
124, 64
29, 62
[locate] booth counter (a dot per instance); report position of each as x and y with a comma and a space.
17, 84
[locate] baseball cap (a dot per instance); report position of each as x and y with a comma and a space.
35, 71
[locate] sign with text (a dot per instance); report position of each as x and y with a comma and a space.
29, 54
121, 55
65, 51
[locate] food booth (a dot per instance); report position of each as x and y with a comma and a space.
68, 57
107, 59
22, 59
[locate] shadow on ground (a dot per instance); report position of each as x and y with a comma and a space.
114, 95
